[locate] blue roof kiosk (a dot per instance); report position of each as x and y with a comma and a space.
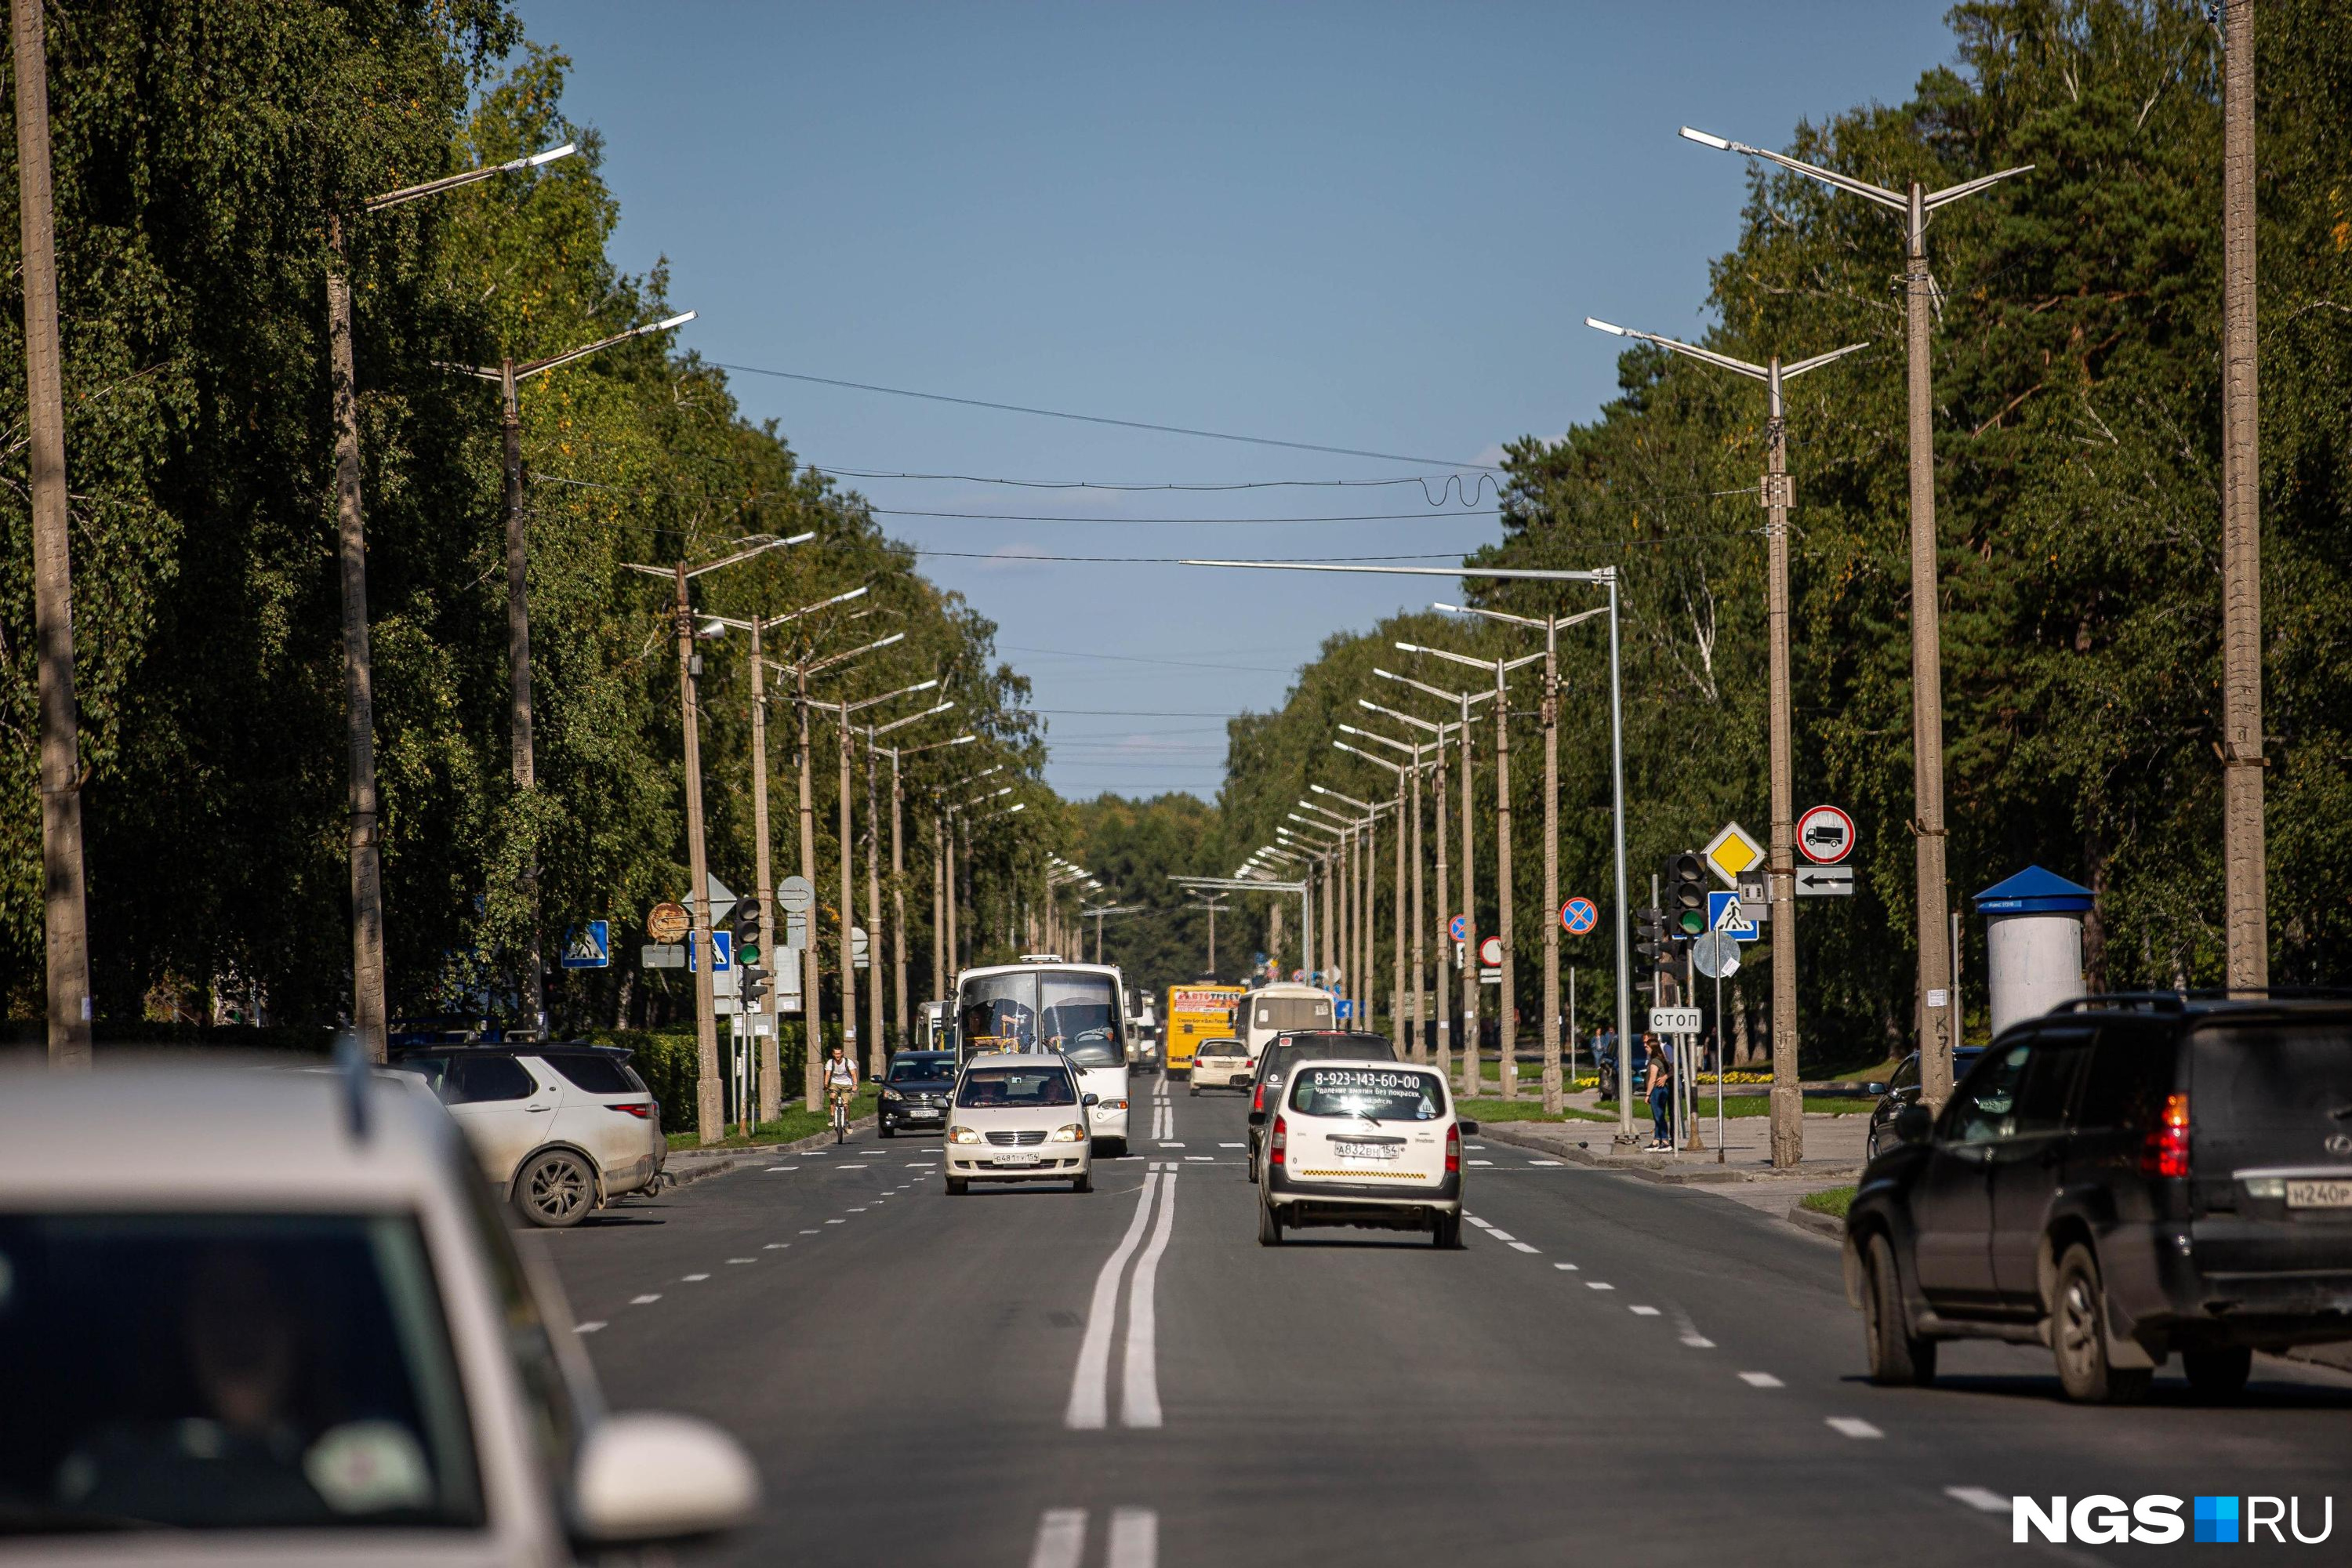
2033, 942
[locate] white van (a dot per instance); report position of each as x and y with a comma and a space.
1045, 1004
1283, 1004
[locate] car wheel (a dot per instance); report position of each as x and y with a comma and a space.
556, 1190
2078, 1337
1085, 1183
885, 1130
1194, 1090
1897, 1358
1111, 1148
1870, 1147
2217, 1374
1269, 1226
958, 1186
1445, 1233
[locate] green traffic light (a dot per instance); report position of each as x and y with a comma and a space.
1691, 922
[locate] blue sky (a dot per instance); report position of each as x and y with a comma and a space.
1369, 227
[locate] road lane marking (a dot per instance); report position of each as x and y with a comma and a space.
1979, 1498
1134, 1539
808, 1233
1475, 1148
849, 1167
1543, 1161
1201, 1159
1855, 1427
1597, 1285
1764, 1380
1698, 1341
1521, 1246
694, 1279
1644, 1312
1139, 1398
645, 1300
836, 1222
774, 1169
587, 1328
776, 1246
742, 1260
1566, 1267
1165, 1144
1481, 1162
1090, 1407
1481, 1224
1232, 1145
1500, 1234
1061, 1539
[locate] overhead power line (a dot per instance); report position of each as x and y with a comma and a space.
1104, 419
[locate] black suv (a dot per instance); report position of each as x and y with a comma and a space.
2121, 1179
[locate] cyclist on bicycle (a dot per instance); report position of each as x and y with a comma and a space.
840, 1080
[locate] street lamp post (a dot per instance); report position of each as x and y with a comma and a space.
1940, 1016
898, 866
1788, 1098
1397, 924
897, 872
1409, 775
876, 1063
368, 1012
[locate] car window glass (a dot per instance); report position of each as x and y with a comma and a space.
592, 1073
434, 1070
474, 1081
2130, 1073
916, 1070
2049, 1082
1985, 1107
1382, 1096
1905, 1076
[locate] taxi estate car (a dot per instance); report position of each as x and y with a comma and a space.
1019, 1116
1222, 1064
256, 1314
1368, 1143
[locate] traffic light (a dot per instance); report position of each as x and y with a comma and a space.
1655, 952
1683, 878
747, 932
756, 984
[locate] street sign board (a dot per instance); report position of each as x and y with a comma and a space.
1716, 955
1728, 913
722, 900
793, 934
1824, 882
662, 955
1579, 916
1825, 835
1490, 951
667, 922
589, 946
1676, 1021
1731, 851
1757, 894
796, 896
722, 942
1346, 1009
1490, 977
857, 948
1458, 928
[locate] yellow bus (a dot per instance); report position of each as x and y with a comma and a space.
1195, 1013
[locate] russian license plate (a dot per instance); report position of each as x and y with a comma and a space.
1348, 1149
923, 1113
1017, 1159
2319, 1195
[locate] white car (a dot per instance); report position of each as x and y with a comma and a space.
1373, 1144
259, 1316
1019, 1117
560, 1129
1222, 1064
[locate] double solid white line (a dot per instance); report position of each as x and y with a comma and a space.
1090, 1407
1062, 1539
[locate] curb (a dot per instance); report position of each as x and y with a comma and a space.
698, 1166
1815, 1221
1660, 1173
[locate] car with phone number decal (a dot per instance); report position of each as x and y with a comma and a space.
1371, 1145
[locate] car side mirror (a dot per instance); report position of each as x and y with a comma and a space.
1091, 1099
1257, 1119
1873, 1088
1914, 1123
653, 1477
1469, 1129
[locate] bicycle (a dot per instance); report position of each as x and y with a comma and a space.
840, 1115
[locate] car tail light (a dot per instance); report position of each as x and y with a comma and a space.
1453, 1151
642, 1112
2165, 1151
1278, 1143
1257, 1099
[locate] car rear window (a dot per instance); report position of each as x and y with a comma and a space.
1380, 1094
1223, 1049
597, 1073
2271, 1094
227, 1371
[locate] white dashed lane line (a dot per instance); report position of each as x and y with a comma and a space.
742, 1260
694, 1279
774, 1169
1553, 1162
588, 1328
849, 1167
1855, 1427
1976, 1498
1230, 1145
808, 1233
645, 1300
832, 1222
1644, 1312
776, 1246
1698, 1341
1761, 1380
1598, 1284
1565, 1267
1521, 1246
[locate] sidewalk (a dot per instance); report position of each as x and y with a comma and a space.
1833, 1144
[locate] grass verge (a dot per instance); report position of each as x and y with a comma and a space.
1832, 1202
793, 1124
1760, 1105
1524, 1109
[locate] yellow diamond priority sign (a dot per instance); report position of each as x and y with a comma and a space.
1731, 852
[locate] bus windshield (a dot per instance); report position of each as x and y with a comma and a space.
1075, 1014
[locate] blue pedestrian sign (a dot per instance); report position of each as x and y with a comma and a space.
1579, 916
589, 946
722, 942
1346, 1009
1727, 915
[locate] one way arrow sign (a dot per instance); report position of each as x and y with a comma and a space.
1824, 882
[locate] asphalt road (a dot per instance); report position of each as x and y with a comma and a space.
1611, 1368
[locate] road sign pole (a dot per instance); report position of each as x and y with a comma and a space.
1720, 1040
771, 1063
1551, 1084
1623, 915
1787, 1101
1444, 1008
1506, 1006
710, 1113
1473, 1071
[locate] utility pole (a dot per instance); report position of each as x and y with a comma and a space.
1507, 1008
709, 1108
812, 1008
1474, 1072
65, 933
938, 899
2244, 876
1396, 924
772, 1091
1788, 1097
1939, 1013
881, 1046
898, 899
848, 906
1444, 1007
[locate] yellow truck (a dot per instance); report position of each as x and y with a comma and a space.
1195, 1013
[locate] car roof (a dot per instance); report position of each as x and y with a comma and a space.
981, 971
160, 1135
1018, 1059
2278, 1001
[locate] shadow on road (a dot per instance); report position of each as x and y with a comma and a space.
2167, 1394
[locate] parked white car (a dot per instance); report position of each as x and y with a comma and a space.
1368, 1143
1019, 1117
559, 1130
257, 1315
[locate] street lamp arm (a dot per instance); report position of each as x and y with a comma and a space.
1707, 356
1508, 573
451, 181
1413, 752
1396, 768
966, 739
1352, 799
1456, 698
1802, 365
911, 718
1950, 194
1863, 188
847, 654
760, 549
863, 703
1558, 622
551, 361
1371, 707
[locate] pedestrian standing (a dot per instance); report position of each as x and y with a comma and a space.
1660, 1084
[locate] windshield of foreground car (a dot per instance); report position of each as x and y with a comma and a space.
922, 1069
1367, 1092
225, 1371
1015, 1088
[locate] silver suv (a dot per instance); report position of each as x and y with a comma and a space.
560, 1129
